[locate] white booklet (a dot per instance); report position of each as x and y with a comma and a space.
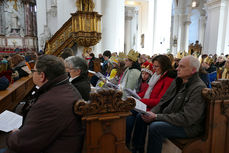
140, 107
9, 121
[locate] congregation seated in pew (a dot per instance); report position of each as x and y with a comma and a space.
51, 124
164, 107
179, 114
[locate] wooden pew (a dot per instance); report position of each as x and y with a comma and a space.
15, 93
105, 120
216, 136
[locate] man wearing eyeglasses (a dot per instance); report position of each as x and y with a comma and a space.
51, 125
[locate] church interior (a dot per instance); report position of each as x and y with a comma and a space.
129, 47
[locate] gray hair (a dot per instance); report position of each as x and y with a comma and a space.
77, 62
194, 62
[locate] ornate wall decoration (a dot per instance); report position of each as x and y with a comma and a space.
14, 17
83, 29
18, 24
104, 101
61, 39
1, 19
86, 24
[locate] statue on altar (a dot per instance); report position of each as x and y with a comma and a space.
14, 14
85, 5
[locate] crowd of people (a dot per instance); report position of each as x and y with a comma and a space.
14, 67
169, 86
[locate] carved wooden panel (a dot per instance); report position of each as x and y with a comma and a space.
105, 117
104, 101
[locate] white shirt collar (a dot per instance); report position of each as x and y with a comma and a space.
71, 79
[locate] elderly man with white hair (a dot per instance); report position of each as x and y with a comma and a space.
180, 112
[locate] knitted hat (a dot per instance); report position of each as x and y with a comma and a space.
133, 55
147, 67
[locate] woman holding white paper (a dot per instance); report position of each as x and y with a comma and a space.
159, 82
157, 86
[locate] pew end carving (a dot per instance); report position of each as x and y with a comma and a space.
215, 138
105, 118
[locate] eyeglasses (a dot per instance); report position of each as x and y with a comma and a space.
33, 70
156, 66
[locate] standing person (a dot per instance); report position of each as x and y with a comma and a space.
180, 112
51, 124
78, 69
106, 56
132, 73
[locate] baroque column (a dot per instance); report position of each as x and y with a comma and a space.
216, 28
128, 20
186, 43
113, 12
202, 28
178, 31
226, 45
1, 18
187, 24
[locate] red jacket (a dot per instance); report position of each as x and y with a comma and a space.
157, 92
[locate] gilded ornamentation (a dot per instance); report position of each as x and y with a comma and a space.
60, 40
85, 5
84, 28
104, 101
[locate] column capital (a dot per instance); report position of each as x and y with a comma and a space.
211, 4
187, 22
178, 11
128, 18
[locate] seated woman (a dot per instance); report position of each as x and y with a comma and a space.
158, 84
146, 73
18, 66
132, 73
78, 69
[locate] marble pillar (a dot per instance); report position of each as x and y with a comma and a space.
216, 28
181, 33
113, 12
1, 19
128, 46
174, 33
226, 44
202, 28
186, 43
